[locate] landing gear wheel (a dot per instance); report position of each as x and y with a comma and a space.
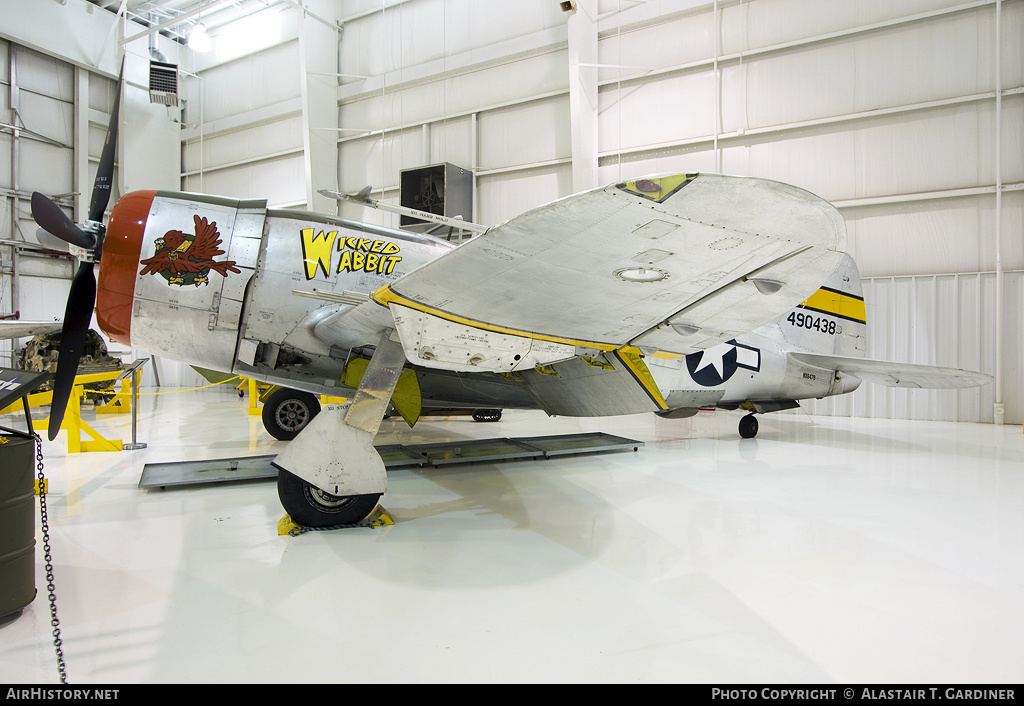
287, 412
748, 427
309, 506
486, 415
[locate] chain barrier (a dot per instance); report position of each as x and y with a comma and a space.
108, 390
54, 622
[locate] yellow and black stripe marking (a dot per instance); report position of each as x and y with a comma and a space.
835, 303
638, 369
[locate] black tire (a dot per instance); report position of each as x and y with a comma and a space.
748, 426
486, 415
287, 412
309, 506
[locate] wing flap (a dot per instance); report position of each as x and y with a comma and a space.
892, 374
671, 263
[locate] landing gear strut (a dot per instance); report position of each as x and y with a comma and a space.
330, 473
748, 426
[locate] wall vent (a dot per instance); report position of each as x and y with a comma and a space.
163, 83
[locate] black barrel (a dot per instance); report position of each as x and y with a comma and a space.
17, 524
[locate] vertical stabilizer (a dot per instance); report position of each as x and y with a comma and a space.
831, 321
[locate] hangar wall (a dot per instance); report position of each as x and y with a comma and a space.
58, 66
38, 123
943, 319
243, 112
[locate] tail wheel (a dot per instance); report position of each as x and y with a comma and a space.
310, 506
287, 412
748, 426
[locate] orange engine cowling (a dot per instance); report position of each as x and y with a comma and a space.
119, 264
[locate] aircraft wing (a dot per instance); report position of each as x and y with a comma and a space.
885, 372
669, 264
17, 329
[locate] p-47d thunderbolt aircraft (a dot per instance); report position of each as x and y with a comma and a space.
662, 294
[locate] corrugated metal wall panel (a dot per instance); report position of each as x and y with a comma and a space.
503, 196
280, 180
943, 320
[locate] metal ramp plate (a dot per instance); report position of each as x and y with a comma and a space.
161, 475
564, 444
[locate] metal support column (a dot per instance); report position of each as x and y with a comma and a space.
15, 104
997, 407
583, 98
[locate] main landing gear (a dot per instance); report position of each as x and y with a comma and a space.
287, 412
748, 426
330, 473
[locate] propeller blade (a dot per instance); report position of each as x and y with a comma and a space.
82, 297
105, 171
50, 241
54, 221
77, 317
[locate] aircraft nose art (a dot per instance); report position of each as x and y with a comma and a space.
122, 248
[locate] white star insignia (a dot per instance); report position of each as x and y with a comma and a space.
713, 357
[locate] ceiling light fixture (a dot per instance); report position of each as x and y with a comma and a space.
199, 40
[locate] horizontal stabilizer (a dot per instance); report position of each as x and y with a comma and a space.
884, 372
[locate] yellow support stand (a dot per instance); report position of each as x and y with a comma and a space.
254, 394
34, 400
74, 426
121, 402
73, 423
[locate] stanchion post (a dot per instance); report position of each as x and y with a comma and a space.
136, 372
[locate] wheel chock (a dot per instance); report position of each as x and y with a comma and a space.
378, 518
285, 526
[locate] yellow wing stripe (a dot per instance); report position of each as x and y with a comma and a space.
386, 296
830, 301
638, 369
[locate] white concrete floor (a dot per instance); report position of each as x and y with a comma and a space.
825, 550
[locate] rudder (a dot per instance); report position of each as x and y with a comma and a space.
831, 321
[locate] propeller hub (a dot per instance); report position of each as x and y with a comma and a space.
95, 230
83, 254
